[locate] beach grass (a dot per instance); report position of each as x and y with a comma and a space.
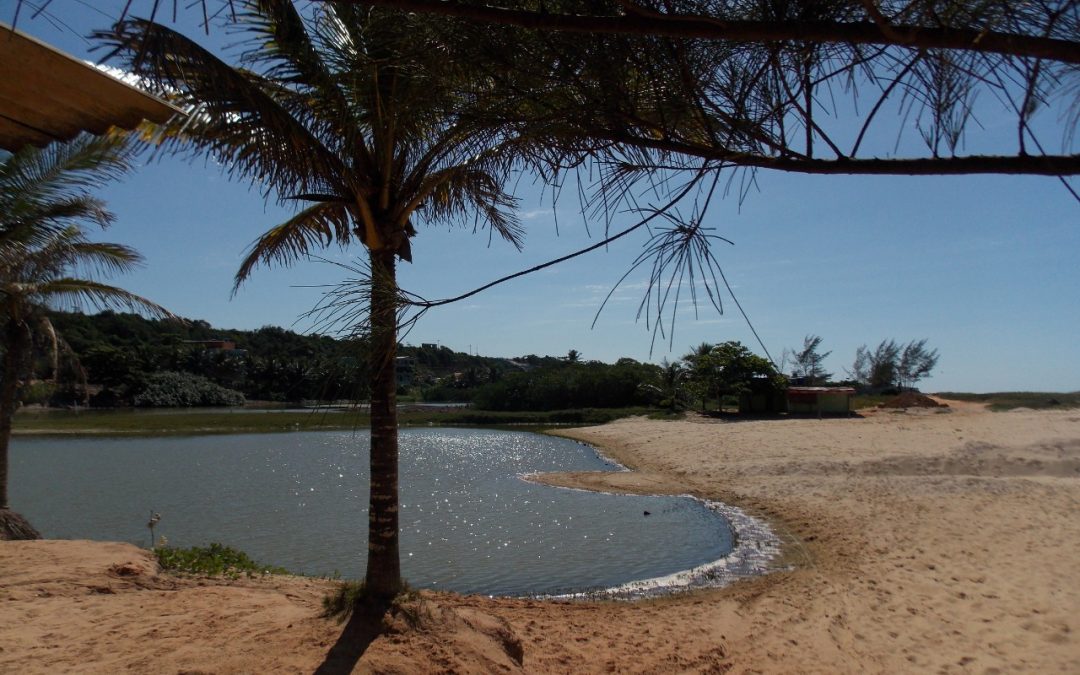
179, 422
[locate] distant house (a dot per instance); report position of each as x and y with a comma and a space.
218, 345
429, 345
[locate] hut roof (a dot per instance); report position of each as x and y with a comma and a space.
47, 95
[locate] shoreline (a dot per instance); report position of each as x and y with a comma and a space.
754, 544
755, 548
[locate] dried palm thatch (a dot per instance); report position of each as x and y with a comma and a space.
15, 527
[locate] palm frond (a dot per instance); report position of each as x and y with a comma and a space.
73, 294
233, 113
48, 331
315, 227
44, 190
63, 170
289, 50
34, 223
450, 193
88, 258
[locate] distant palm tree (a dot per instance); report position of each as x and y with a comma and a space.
47, 262
697, 367
669, 386
357, 112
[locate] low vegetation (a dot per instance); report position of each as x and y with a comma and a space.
213, 560
1010, 400
349, 596
339, 603
183, 390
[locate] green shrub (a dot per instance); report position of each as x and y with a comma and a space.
339, 603
213, 560
108, 398
37, 393
183, 390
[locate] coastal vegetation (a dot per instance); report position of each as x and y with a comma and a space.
213, 560
726, 371
121, 352
130, 360
807, 362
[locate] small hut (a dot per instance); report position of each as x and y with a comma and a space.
819, 400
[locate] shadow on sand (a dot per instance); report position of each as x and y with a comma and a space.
363, 627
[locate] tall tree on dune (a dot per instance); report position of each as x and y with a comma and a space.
46, 262
356, 113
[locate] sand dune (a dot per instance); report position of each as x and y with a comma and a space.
919, 541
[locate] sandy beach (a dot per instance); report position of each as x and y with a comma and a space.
926, 540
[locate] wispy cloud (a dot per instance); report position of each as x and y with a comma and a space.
535, 213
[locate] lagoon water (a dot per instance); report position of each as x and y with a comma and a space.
299, 500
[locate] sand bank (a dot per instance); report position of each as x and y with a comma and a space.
917, 541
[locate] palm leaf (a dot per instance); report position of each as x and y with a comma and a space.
74, 294
313, 228
292, 56
233, 116
34, 223
62, 170
456, 190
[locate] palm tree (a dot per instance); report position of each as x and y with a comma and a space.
669, 385
46, 261
697, 370
358, 113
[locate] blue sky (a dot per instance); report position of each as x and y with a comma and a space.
985, 268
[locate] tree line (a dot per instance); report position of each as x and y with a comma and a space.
127, 359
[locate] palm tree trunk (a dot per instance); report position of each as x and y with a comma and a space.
383, 578
16, 346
